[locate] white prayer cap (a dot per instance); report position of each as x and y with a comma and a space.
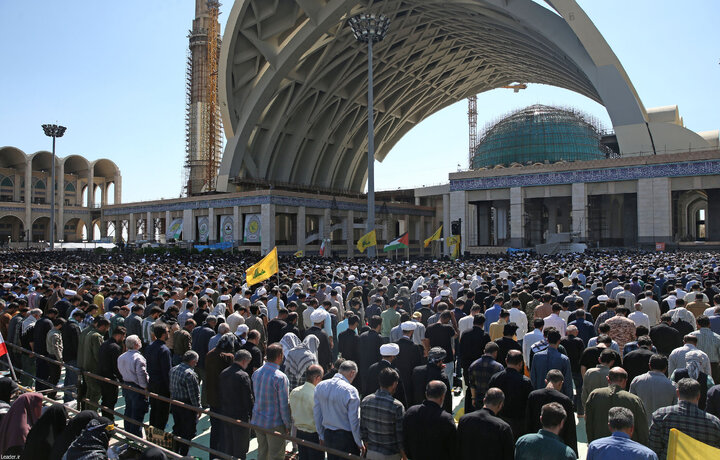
389, 349
426, 300
242, 329
224, 297
68, 292
603, 298
127, 279
209, 291
351, 278
261, 292
408, 326
425, 293
445, 293
318, 316
7, 285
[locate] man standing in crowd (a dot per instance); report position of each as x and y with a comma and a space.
381, 418
551, 358
133, 370
546, 443
653, 387
108, 356
236, 401
517, 388
686, 417
271, 410
430, 431
484, 429
302, 400
551, 393
159, 362
337, 411
185, 387
618, 445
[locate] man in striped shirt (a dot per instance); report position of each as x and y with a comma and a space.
185, 387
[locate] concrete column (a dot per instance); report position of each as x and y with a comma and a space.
188, 233
267, 230
420, 234
168, 219
149, 227
103, 193
237, 225
104, 224
301, 230
91, 183
458, 210
517, 217
325, 233
579, 210
712, 217
28, 198
132, 228
351, 234
406, 229
212, 226
447, 228
17, 182
118, 188
483, 224
654, 210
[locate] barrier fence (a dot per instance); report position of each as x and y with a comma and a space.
148, 394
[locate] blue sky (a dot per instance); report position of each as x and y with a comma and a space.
114, 73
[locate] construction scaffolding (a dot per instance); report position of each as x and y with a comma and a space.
203, 132
472, 122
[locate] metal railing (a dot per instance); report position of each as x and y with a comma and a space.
148, 394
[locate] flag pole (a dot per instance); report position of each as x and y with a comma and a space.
7, 354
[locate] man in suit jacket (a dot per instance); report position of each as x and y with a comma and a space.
433, 370
429, 432
409, 358
484, 429
236, 401
349, 341
551, 393
371, 384
665, 337
318, 318
369, 346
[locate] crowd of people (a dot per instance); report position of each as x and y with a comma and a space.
363, 356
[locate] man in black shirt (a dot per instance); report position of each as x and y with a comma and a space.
574, 346
252, 344
665, 337
433, 370
507, 343
637, 362
108, 356
349, 341
517, 388
484, 429
551, 393
159, 360
409, 358
441, 334
276, 325
40, 332
369, 347
318, 318
429, 432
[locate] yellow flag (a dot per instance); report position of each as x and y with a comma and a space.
262, 270
455, 239
300, 253
435, 236
366, 241
684, 447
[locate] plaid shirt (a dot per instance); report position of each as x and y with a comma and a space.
184, 384
271, 408
381, 421
709, 342
689, 419
480, 372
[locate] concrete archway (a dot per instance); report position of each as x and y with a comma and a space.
12, 229
41, 229
293, 80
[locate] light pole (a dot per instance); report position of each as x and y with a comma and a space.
369, 28
53, 131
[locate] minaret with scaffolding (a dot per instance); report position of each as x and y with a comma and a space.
203, 132
472, 122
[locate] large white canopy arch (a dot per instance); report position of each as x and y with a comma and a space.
293, 80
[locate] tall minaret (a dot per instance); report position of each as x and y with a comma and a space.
203, 127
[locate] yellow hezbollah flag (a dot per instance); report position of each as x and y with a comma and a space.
684, 447
366, 241
455, 239
300, 253
262, 270
435, 236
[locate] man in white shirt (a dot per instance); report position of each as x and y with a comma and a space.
677, 357
275, 303
638, 317
518, 317
531, 338
651, 308
555, 321
236, 318
466, 322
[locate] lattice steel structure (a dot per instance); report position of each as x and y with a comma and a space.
293, 84
203, 121
472, 126
539, 134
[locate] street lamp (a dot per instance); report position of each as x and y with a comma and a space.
370, 28
53, 131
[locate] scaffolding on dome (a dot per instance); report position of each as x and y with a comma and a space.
540, 134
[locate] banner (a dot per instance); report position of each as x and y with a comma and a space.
262, 270
212, 247
203, 229
367, 240
435, 236
299, 253
252, 229
227, 229
684, 447
175, 229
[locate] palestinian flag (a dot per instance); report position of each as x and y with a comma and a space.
401, 242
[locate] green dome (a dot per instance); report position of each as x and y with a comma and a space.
540, 134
